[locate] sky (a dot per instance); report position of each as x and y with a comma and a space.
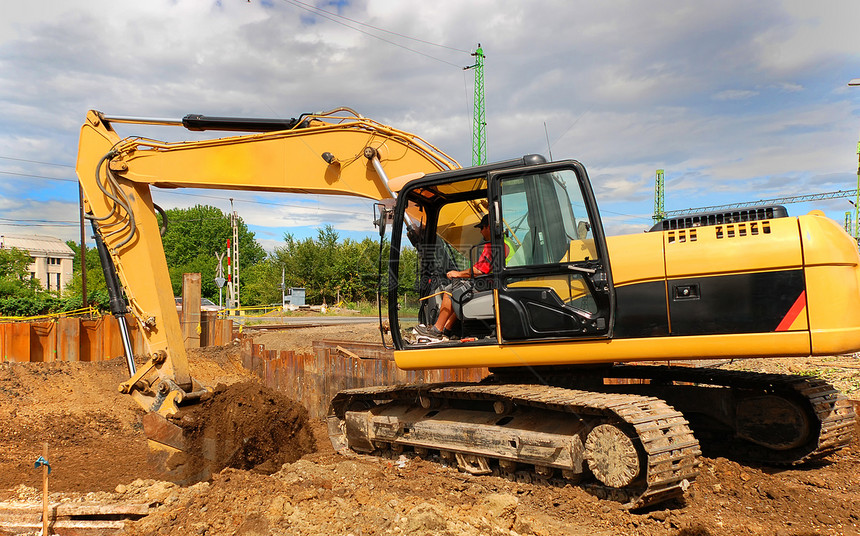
737, 101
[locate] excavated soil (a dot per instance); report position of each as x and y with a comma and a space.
98, 453
252, 426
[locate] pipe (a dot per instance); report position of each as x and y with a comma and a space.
117, 303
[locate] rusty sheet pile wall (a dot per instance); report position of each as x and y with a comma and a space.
313, 380
76, 339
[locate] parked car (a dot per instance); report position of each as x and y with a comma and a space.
205, 305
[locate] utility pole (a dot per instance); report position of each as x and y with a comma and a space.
233, 258
659, 209
231, 292
479, 128
84, 299
856, 234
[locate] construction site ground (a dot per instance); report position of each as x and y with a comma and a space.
98, 453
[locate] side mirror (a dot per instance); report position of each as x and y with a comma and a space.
383, 214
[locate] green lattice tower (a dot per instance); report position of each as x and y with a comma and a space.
479, 130
847, 224
856, 233
659, 209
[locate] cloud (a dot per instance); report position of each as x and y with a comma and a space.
31, 217
734, 100
808, 37
735, 94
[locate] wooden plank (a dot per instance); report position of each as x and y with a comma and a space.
190, 317
70, 519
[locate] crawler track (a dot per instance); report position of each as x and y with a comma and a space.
829, 415
598, 425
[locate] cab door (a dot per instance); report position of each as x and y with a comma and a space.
555, 280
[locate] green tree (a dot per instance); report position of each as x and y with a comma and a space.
194, 236
328, 268
261, 283
20, 294
97, 294
15, 273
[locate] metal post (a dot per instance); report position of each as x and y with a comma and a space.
857, 202
126, 344
479, 132
234, 220
83, 251
659, 209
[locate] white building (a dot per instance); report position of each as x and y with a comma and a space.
51, 258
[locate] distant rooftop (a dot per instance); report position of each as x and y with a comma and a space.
37, 245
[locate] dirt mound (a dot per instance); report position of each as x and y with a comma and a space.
91, 429
94, 433
324, 493
247, 426
98, 452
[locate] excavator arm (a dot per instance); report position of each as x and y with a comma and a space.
332, 153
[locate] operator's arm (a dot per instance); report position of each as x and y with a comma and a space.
482, 267
459, 274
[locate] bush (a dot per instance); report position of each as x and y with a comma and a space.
29, 305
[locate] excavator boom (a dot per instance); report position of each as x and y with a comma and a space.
331, 153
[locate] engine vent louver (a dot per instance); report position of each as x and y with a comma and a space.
702, 219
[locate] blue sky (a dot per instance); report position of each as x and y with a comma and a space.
735, 100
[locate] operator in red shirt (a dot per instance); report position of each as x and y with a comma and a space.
447, 314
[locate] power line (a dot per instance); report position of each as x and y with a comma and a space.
35, 162
628, 216
37, 176
58, 224
324, 15
286, 205
314, 8
42, 221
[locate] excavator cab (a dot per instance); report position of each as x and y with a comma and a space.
549, 276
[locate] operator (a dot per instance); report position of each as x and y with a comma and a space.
447, 313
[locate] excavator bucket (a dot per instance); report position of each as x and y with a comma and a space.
244, 426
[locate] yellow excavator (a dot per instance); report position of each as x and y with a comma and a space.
559, 312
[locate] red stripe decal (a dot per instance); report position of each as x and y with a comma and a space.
793, 313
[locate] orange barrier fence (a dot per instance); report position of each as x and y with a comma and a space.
76, 339
313, 380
